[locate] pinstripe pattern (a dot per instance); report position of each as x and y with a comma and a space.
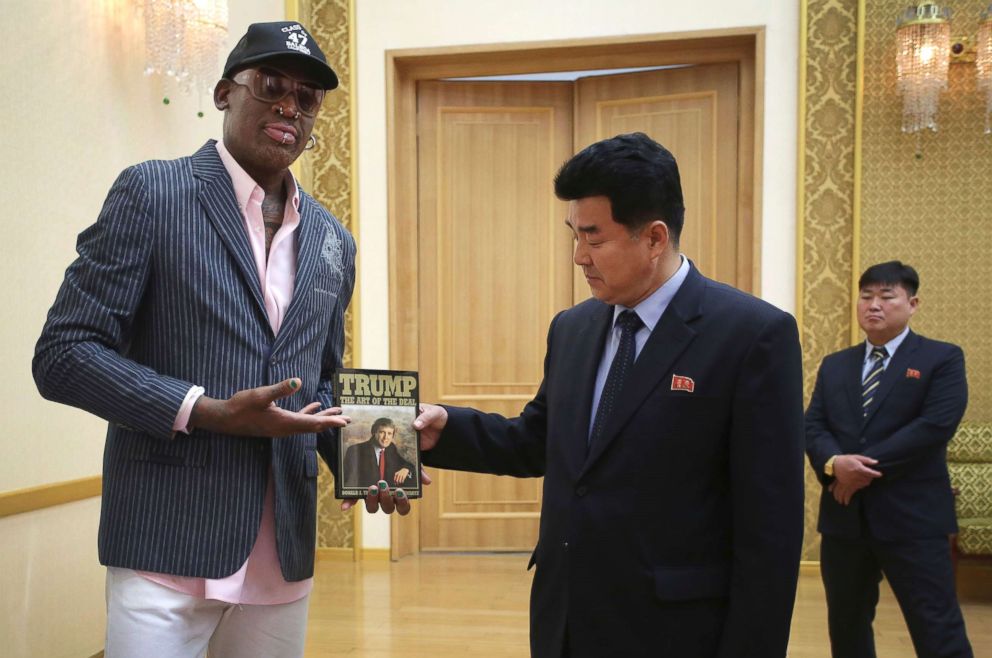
164, 295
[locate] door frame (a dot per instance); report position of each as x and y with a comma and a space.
404, 68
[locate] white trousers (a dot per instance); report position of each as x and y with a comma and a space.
147, 619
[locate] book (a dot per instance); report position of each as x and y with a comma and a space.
379, 443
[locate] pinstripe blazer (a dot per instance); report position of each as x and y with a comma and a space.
164, 295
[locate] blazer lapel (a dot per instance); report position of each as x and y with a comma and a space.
893, 372
671, 336
217, 197
581, 380
309, 243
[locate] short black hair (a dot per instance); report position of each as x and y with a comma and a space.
381, 422
637, 174
893, 273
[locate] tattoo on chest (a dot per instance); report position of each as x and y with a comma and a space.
271, 228
272, 214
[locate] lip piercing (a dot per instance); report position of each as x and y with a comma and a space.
285, 137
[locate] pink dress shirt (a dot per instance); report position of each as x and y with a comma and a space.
259, 581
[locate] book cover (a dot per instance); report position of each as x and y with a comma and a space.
380, 442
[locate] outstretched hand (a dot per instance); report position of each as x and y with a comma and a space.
430, 423
253, 412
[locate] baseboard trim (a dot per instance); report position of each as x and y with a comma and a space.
335, 554
375, 555
31, 499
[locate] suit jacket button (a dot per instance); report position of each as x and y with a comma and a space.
863, 440
581, 491
564, 545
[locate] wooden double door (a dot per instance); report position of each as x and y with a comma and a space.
495, 257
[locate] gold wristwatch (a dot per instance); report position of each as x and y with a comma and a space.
828, 468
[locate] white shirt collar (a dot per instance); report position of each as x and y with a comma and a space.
653, 306
890, 347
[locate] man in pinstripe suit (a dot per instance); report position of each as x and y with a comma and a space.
203, 318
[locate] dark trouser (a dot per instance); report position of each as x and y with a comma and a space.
922, 579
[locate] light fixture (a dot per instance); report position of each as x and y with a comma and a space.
983, 64
184, 40
923, 47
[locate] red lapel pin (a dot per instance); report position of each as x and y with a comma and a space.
911, 373
683, 383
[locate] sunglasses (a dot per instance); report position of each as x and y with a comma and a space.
271, 86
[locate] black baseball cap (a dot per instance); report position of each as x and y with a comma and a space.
264, 41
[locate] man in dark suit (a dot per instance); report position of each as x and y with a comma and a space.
203, 318
369, 462
668, 429
877, 429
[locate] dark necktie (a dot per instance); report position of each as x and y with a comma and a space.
623, 361
382, 464
871, 381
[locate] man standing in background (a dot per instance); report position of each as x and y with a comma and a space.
877, 430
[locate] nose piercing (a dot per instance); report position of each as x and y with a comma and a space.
282, 113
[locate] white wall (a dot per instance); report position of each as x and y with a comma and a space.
77, 110
52, 584
396, 24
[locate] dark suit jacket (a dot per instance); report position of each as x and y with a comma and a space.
361, 469
679, 533
915, 412
164, 295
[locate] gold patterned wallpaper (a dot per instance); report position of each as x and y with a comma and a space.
934, 213
327, 175
827, 195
